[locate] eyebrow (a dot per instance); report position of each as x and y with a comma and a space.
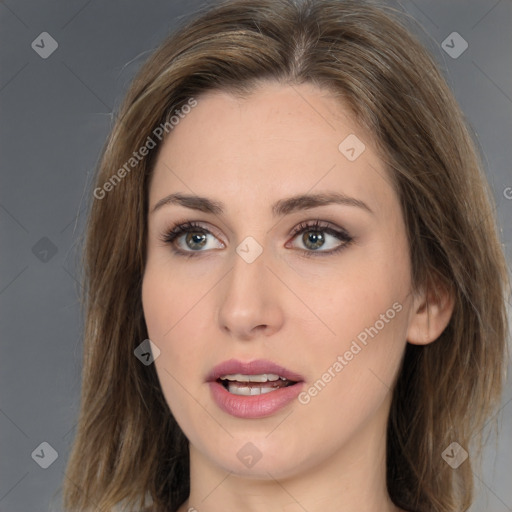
279, 208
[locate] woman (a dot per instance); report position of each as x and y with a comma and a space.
295, 289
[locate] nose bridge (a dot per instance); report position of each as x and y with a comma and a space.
249, 300
248, 277
249, 268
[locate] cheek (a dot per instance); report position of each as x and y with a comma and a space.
172, 316
178, 317
367, 312
354, 295
352, 377
170, 299
158, 303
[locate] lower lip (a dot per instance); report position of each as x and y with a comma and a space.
256, 406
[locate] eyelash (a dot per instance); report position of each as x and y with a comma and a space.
178, 230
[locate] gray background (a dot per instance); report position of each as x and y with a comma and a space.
55, 116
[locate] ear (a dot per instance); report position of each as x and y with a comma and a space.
431, 313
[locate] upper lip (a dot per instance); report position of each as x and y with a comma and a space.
256, 367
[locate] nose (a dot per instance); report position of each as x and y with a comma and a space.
250, 304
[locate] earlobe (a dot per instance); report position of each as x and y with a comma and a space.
431, 314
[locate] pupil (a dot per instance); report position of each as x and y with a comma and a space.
196, 238
313, 239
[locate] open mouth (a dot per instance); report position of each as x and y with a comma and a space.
253, 389
250, 385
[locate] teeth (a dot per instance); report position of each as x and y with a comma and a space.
247, 391
264, 377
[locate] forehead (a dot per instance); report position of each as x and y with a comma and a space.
279, 141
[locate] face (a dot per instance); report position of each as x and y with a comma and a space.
250, 285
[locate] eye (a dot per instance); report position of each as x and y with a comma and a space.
190, 237
321, 239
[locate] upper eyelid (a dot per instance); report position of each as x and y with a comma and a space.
200, 225
321, 225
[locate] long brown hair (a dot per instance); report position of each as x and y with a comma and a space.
128, 448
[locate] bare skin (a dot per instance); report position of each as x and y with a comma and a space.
326, 452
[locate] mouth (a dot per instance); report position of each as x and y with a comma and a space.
251, 385
253, 389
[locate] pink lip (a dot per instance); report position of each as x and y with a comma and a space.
255, 367
257, 406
